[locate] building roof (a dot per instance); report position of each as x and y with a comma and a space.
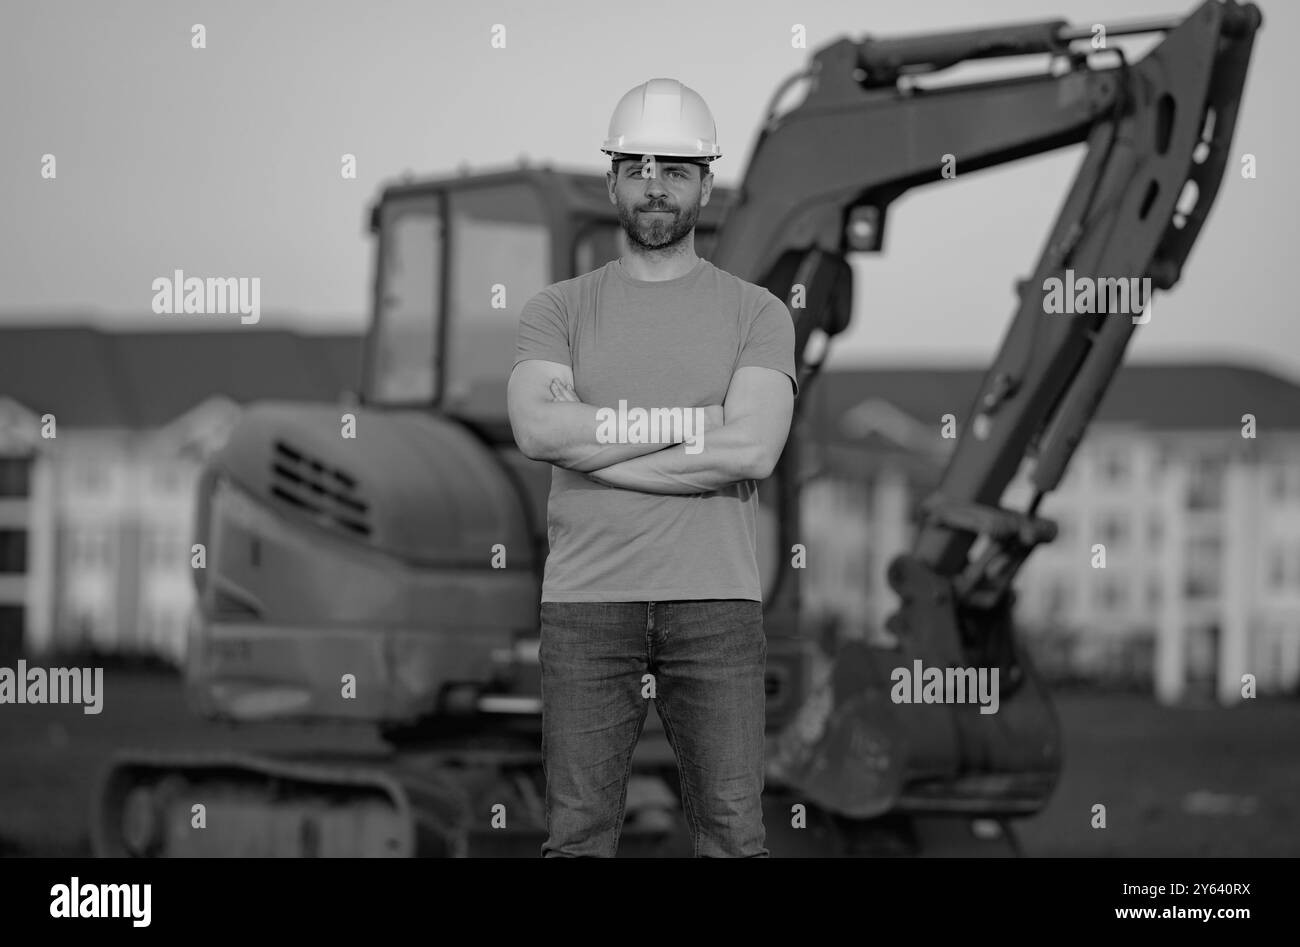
90, 377
1158, 396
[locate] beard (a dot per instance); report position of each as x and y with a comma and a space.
657, 231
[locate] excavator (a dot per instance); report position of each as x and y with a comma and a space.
377, 562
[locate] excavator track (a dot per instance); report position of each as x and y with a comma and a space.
437, 805
148, 806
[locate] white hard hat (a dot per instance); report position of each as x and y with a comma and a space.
663, 117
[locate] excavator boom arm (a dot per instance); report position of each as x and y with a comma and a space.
819, 184
1158, 133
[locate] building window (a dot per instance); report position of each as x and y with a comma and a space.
89, 547
1058, 598
1153, 593
1160, 462
1111, 593
1204, 565
1276, 569
164, 546
167, 477
1284, 482
13, 551
1199, 585
92, 476
154, 546
1277, 484
1114, 467
15, 476
12, 625
83, 625
1205, 492
1113, 530
156, 621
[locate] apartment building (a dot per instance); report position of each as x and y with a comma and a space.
1199, 525
102, 437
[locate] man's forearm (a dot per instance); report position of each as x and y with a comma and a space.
568, 435
730, 453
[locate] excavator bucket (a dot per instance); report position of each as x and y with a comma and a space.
862, 745
842, 750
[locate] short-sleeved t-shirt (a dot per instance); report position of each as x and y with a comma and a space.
653, 344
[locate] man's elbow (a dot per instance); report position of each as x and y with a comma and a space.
527, 438
536, 446
759, 462
528, 447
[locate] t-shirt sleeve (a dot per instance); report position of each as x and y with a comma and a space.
770, 342
543, 331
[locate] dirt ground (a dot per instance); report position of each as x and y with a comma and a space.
1199, 782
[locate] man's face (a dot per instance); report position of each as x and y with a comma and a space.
659, 207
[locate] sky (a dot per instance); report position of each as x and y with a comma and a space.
226, 160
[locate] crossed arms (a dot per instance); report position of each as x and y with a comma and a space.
741, 439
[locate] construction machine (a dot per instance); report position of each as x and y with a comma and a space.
379, 561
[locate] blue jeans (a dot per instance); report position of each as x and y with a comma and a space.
708, 660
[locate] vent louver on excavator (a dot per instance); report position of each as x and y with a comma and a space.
326, 493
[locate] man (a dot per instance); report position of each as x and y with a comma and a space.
651, 588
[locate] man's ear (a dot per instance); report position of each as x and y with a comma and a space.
611, 181
706, 184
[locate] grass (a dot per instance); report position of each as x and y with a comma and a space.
1176, 782
1200, 782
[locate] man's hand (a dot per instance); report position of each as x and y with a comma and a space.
561, 390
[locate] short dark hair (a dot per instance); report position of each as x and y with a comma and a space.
615, 160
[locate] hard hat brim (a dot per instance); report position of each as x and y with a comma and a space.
662, 156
